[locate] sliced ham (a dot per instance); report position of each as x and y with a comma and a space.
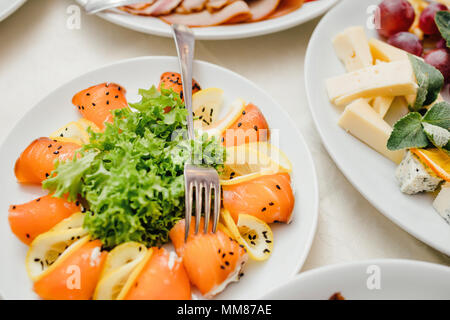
285, 7
140, 6
193, 5
235, 12
260, 9
159, 7
213, 5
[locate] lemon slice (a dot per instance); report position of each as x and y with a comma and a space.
73, 130
49, 248
254, 234
134, 274
252, 160
85, 124
120, 263
207, 104
73, 222
219, 127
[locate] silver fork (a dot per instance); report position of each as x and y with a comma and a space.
95, 6
203, 180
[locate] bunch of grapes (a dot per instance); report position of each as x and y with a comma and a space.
395, 18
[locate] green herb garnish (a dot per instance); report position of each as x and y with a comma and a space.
415, 131
442, 19
430, 81
131, 175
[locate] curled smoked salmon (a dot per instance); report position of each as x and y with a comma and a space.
251, 126
37, 161
268, 197
30, 219
97, 102
172, 80
211, 260
162, 278
75, 276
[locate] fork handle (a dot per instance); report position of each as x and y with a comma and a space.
185, 42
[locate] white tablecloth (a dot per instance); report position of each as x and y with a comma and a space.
38, 53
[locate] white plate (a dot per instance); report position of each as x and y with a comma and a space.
371, 173
398, 280
157, 27
292, 242
7, 7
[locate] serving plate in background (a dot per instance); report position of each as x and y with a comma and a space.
369, 172
7, 7
156, 26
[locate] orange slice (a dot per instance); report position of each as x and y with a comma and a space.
437, 160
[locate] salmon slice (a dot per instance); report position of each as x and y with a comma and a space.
75, 277
30, 219
162, 278
211, 260
251, 126
95, 103
172, 80
269, 198
37, 161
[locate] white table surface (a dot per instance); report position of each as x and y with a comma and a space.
38, 53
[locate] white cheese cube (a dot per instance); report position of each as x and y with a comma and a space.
352, 47
385, 79
364, 123
413, 177
442, 202
383, 51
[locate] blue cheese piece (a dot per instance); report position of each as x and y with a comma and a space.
442, 202
413, 177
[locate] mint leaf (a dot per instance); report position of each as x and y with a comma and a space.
439, 136
408, 133
430, 81
442, 19
439, 115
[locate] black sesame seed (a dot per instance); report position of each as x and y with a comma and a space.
227, 263
256, 128
82, 107
38, 199
59, 148
119, 88
203, 109
263, 209
28, 235
278, 187
219, 251
93, 104
37, 259
223, 255
61, 135
243, 112
88, 94
253, 243
268, 241
13, 207
222, 267
107, 93
231, 253
107, 101
56, 152
117, 96
266, 250
77, 203
250, 237
211, 112
47, 175
271, 203
239, 124
223, 139
241, 275
73, 238
42, 265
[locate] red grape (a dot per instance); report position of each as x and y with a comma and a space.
441, 44
407, 41
426, 21
440, 59
394, 16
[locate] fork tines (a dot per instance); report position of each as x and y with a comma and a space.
204, 182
